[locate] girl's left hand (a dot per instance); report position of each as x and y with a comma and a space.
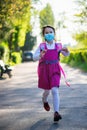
64, 49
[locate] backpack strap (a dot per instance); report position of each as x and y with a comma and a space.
58, 46
63, 73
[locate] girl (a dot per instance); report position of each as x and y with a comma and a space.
49, 72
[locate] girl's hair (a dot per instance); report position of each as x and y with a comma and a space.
48, 26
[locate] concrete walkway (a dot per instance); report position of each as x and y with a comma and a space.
21, 105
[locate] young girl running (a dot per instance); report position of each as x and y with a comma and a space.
49, 72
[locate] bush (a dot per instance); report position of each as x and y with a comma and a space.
84, 55
76, 58
1, 51
4, 52
16, 58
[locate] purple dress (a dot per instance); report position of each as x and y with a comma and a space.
49, 72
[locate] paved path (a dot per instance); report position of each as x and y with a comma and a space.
21, 106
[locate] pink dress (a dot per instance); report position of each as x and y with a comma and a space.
49, 72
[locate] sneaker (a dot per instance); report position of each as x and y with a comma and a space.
57, 117
46, 106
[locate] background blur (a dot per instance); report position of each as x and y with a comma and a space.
21, 22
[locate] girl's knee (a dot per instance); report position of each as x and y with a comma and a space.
54, 90
46, 92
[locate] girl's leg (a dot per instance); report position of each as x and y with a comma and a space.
45, 95
55, 94
45, 100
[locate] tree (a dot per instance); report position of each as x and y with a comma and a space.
61, 23
81, 38
15, 16
14, 13
81, 14
81, 19
29, 42
46, 16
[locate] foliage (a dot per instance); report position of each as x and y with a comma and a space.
14, 13
15, 17
82, 11
1, 51
46, 16
81, 19
77, 58
81, 38
29, 42
16, 58
4, 52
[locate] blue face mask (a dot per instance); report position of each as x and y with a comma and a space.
49, 37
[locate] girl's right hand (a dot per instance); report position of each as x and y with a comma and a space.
42, 53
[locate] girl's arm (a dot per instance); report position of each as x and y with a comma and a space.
36, 55
65, 51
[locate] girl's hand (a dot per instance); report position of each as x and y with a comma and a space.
64, 49
42, 53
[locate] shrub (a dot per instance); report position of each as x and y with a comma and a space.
76, 58
4, 52
16, 58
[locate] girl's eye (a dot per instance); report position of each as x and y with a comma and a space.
46, 32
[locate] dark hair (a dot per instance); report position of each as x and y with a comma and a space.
48, 26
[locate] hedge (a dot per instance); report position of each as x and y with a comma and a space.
76, 58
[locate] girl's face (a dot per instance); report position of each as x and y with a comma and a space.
48, 30
49, 34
